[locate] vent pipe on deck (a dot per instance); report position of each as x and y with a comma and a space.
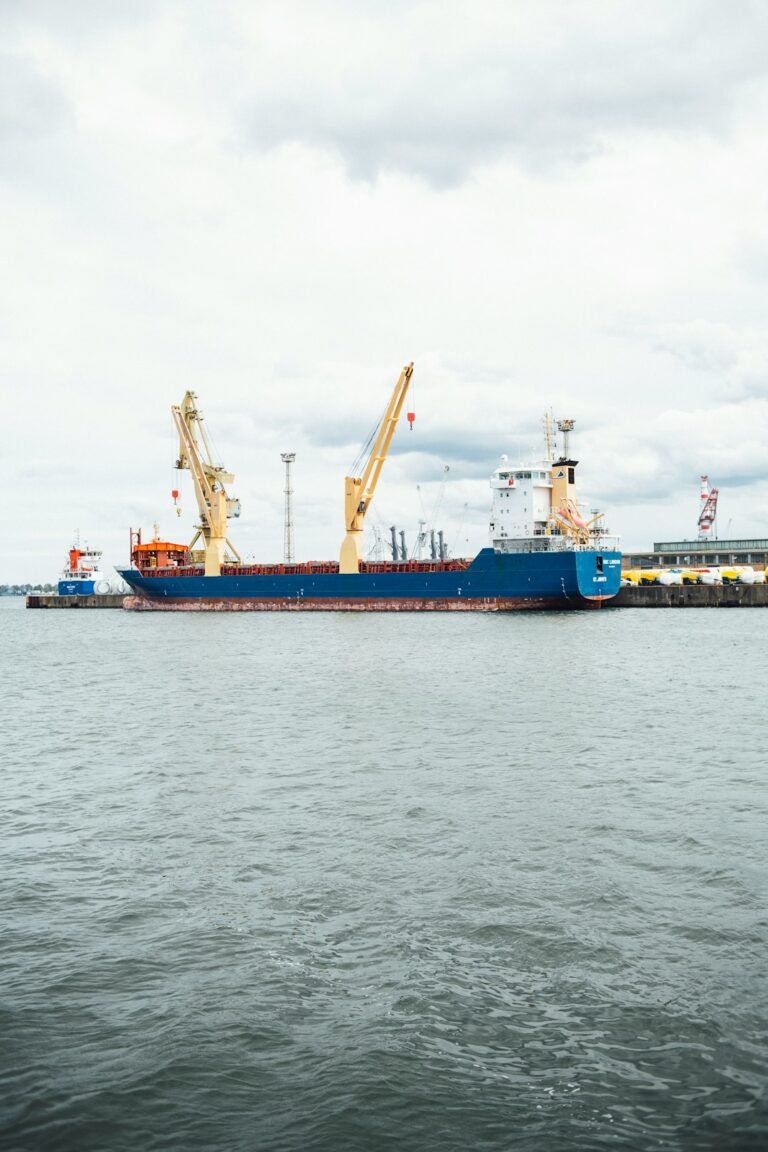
393, 545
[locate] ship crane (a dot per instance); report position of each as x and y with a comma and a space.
708, 514
359, 490
214, 505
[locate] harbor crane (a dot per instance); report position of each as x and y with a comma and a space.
708, 516
359, 490
210, 480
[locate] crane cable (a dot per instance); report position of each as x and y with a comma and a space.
364, 451
177, 475
461, 526
440, 496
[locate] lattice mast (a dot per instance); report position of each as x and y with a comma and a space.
288, 549
549, 436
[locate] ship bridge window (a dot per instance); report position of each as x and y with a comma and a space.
503, 475
571, 475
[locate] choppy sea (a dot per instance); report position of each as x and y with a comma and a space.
423, 882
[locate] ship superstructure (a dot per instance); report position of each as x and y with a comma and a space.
535, 506
82, 575
543, 552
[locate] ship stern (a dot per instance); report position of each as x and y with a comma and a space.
598, 574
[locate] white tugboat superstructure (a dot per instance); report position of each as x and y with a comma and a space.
83, 575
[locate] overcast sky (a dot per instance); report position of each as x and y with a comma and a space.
278, 204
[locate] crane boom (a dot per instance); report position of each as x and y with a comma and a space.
359, 490
214, 506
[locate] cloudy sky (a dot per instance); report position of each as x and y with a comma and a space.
278, 204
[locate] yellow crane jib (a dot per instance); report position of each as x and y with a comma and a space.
359, 490
210, 480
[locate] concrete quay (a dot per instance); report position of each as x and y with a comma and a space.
35, 600
692, 596
649, 596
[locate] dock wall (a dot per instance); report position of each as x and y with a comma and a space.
651, 596
44, 601
692, 596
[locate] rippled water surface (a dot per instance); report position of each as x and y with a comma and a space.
383, 882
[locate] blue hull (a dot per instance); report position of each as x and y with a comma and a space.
492, 582
76, 587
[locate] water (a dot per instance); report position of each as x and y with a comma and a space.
382, 882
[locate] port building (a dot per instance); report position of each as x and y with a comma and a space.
700, 554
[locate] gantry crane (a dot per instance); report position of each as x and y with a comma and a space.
359, 490
209, 479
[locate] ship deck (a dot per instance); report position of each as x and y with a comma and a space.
314, 568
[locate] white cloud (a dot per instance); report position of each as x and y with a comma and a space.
440, 88
280, 204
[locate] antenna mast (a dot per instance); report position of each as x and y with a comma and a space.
566, 427
549, 436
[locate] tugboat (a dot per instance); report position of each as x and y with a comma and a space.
83, 575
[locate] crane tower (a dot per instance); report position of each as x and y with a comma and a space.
359, 490
708, 514
214, 504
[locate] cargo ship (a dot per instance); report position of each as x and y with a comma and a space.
543, 553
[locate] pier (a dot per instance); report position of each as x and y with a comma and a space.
692, 596
38, 600
647, 596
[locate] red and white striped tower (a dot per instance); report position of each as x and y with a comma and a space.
708, 514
